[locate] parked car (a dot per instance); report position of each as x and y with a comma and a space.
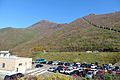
93, 66
13, 76
52, 69
59, 68
38, 65
66, 64
80, 69
55, 62
105, 66
69, 71
60, 63
40, 60
89, 74
10, 77
84, 65
82, 73
65, 67
89, 65
49, 62
76, 72
19, 75
94, 71
116, 68
62, 70
118, 72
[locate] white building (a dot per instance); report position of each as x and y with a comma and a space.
11, 63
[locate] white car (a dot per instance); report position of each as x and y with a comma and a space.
93, 66
69, 71
55, 62
89, 74
80, 69
62, 70
52, 69
94, 71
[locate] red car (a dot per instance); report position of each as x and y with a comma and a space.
118, 72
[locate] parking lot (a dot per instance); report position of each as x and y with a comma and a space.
73, 69
78, 69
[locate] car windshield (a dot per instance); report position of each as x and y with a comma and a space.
53, 68
69, 69
40, 59
80, 69
89, 73
62, 69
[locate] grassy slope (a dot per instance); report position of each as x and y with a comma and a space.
108, 20
75, 36
101, 57
90, 38
11, 37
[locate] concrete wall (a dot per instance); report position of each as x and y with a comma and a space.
22, 64
9, 64
16, 64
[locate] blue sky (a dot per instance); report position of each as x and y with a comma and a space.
23, 13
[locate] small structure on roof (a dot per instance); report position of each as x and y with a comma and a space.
4, 53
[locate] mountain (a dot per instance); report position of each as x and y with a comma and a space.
43, 24
92, 32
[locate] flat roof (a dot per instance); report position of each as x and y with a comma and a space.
4, 52
14, 57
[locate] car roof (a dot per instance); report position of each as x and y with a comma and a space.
90, 71
12, 73
53, 67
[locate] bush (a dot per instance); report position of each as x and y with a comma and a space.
52, 77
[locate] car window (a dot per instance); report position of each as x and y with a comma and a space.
89, 73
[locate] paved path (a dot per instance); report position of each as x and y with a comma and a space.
40, 71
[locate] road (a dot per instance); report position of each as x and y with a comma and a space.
40, 71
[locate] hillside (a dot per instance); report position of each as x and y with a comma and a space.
78, 35
11, 37
111, 20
